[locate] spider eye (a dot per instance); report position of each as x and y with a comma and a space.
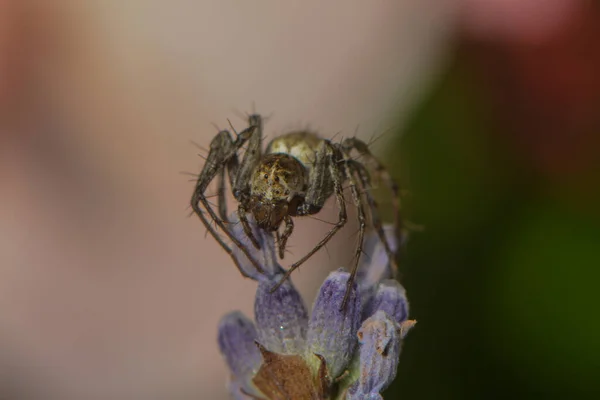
276, 179
266, 176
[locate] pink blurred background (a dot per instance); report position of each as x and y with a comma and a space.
107, 290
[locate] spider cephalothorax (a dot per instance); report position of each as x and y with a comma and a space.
278, 183
295, 176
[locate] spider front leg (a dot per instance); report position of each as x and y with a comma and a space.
325, 173
222, 200
287, 232
242, 215
241, 176
222, 149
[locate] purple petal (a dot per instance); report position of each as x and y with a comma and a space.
236, 342
379, 338
390, 298
281, 317
354, 395
331, 330
238, 390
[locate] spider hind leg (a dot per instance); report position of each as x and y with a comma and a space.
365, 180
381, 171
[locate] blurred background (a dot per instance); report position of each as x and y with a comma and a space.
490, 108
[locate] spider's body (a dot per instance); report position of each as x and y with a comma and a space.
301, 145
281, 179
295, 176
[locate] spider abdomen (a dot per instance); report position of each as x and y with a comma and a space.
301, 145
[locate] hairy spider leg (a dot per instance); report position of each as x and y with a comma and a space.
233, 169
362, 224
221, 195
222, 148
365, 180
211, 167
327, 158
277, 238
363, 149
243, 176
243, 216
287, 232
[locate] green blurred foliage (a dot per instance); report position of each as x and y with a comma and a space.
502, 280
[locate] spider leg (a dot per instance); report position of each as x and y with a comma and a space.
287, 232
241, 174
362, 224
221, 195
232, 169
363, 149
326, 165
246, 225
277, 238
365, 180
222, 148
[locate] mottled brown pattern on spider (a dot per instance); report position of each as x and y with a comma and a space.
279, 177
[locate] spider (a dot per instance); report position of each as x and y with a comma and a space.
294, 177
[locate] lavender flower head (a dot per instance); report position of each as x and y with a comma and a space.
332, 354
